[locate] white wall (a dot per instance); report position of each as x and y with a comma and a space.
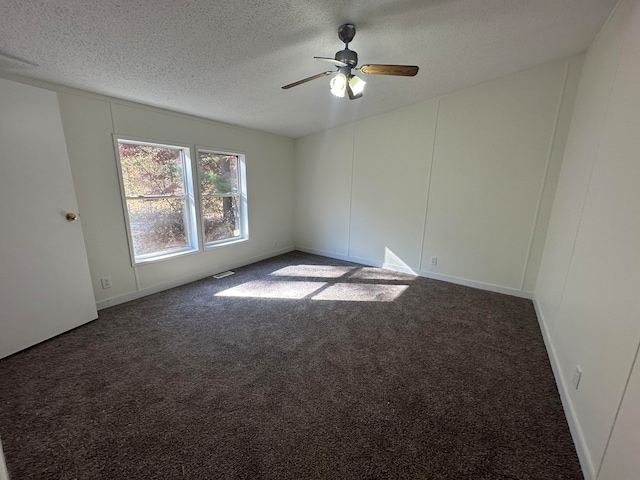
4, 475
90, 121
622, 461
588, 287
468, 178
391, 169
322, 208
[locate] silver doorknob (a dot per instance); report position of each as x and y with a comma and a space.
71, 216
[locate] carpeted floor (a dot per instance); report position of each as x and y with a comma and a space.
298, 367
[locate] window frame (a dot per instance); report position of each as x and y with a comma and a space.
189, 214
193, 212
241, 195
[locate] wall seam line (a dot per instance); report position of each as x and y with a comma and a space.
353, 152
545, 175
426, 206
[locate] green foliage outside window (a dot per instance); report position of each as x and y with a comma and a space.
150, 173
219, 190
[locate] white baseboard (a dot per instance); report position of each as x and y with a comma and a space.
435, 276
586, 462
110, 302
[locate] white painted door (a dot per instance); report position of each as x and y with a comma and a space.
45, 285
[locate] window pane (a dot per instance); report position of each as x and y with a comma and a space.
218, 173
157, 225
220, 218
148, 170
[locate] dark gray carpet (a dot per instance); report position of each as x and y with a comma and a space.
370, 374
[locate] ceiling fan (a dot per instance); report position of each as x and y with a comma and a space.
347, 60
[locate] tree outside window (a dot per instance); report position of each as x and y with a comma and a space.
220, 194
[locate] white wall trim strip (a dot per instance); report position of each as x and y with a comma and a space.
545, 176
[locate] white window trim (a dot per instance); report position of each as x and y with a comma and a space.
242, 197
193, 199
191, 227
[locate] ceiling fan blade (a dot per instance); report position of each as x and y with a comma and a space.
308, 79
401, 70
337, 63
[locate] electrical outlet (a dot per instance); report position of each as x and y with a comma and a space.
106, 282
576, 377
434, 260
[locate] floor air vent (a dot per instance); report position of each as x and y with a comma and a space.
223, 274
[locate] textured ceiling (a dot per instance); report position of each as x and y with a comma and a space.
226, 60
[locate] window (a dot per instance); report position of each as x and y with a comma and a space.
162, 197
156, 180
221, 199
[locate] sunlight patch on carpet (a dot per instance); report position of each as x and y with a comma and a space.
361, 292
318, 271
370, 273
275, 289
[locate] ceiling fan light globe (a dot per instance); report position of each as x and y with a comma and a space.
357, 85
338, 85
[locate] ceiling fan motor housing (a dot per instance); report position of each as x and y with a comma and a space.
347, 56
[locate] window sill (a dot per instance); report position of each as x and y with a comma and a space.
224, 243
165, 256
